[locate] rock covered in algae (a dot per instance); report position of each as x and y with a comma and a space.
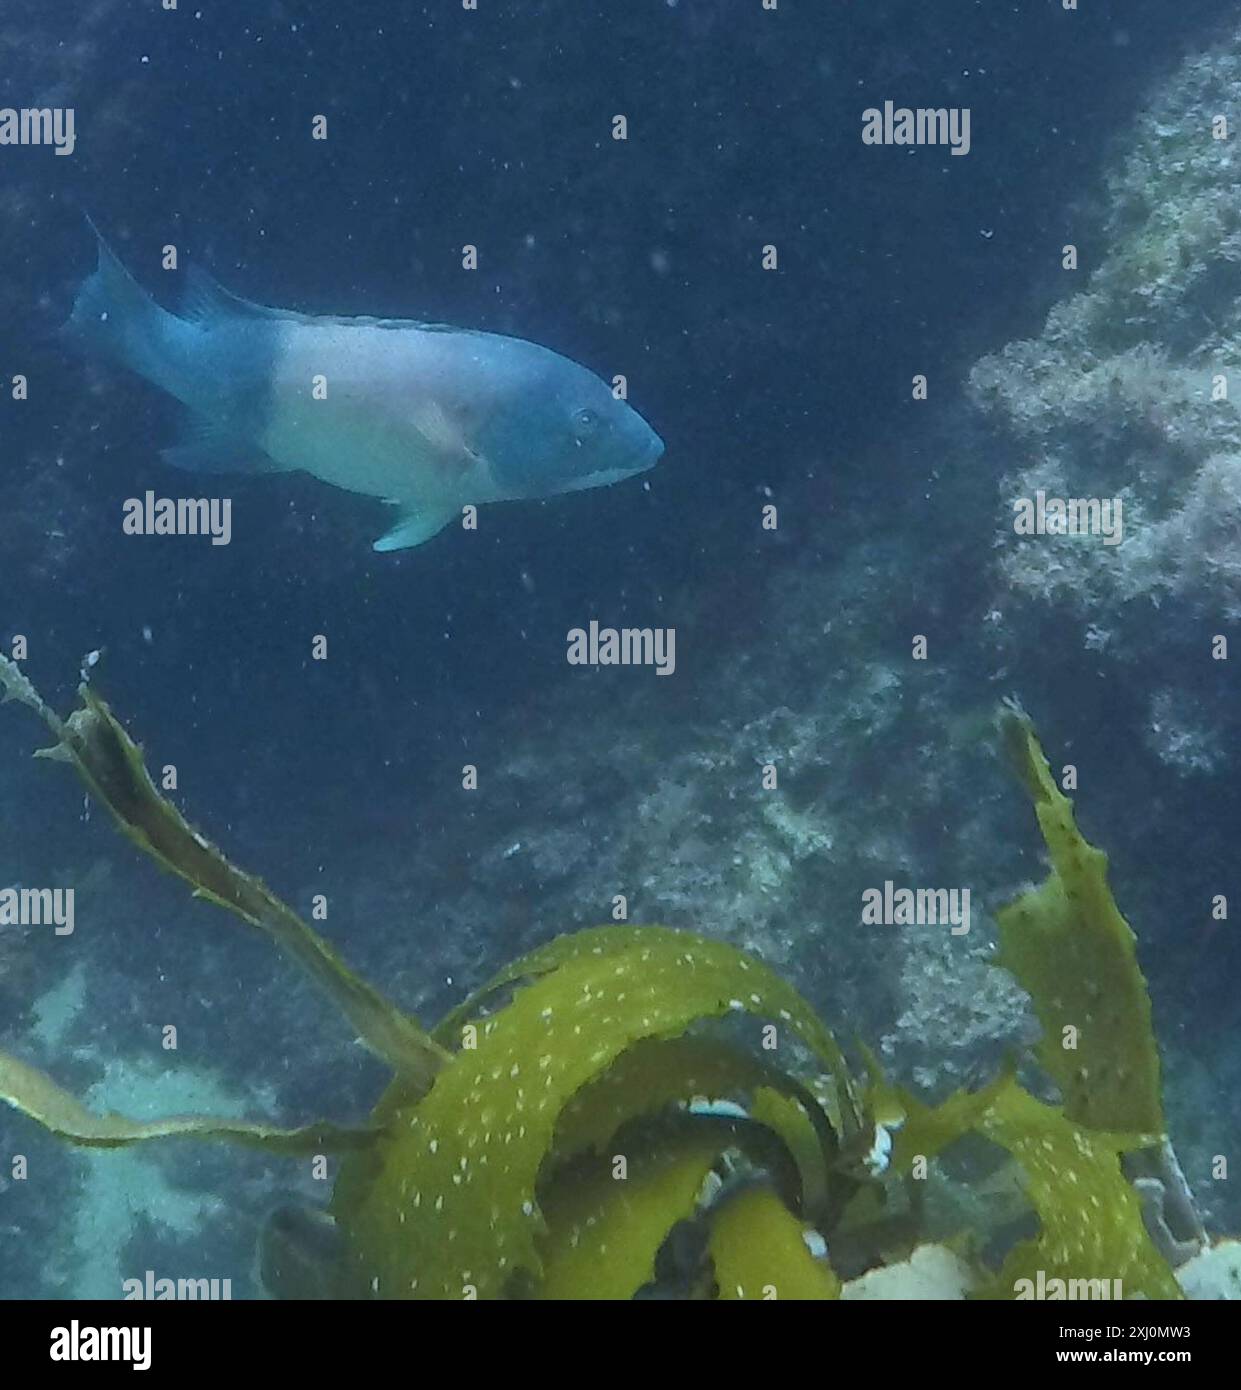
931, 1272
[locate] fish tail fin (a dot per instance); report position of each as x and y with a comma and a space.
116, 319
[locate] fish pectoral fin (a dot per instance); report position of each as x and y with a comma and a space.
412, 530
439, 429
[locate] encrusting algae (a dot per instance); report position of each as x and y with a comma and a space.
646, 1113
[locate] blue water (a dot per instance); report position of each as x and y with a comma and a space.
343, 777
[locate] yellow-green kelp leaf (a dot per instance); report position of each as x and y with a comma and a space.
650, 1076
929, 1129
446, 1204
35, 1094
1068, 946
760, 1251
1090, 1217
603, 1233
837, 1095
793, 1119
111, 765
698, 1071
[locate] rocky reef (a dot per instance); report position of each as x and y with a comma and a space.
1130, 394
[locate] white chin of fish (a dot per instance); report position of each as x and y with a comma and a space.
604, 478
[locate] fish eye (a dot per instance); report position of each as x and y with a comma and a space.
585, 422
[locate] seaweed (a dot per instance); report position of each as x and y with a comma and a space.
110, 764
1068, 946
642, 1112
463, 1163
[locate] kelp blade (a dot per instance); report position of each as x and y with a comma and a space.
36, 1095
111, 765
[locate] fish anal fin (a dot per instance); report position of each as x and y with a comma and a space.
413, 530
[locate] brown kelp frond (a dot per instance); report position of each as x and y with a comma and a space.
111, 765
35, 1094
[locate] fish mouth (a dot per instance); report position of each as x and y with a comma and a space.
607, 477
649, 456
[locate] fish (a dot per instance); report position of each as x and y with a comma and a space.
428, 418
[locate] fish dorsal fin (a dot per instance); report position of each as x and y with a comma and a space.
205, 300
